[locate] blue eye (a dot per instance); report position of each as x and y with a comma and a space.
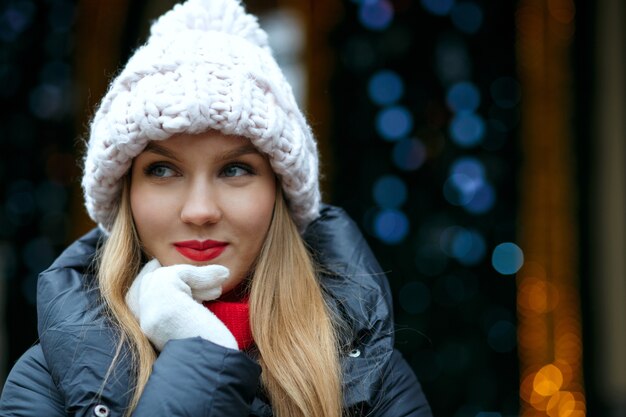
235, 171
160, 171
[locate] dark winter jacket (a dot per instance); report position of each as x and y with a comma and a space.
64, 373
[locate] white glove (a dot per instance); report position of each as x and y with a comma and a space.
167, 303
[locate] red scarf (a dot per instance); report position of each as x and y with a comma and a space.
234, 312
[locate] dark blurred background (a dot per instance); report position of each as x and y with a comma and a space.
479, 144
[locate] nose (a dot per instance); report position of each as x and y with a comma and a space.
201, 205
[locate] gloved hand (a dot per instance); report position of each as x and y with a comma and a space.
167, 303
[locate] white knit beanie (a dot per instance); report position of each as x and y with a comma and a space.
206, 65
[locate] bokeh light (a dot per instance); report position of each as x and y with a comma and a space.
468, 247
389, 191
463, 97
502, 336
467, 17
470, 168
483, 200
15, 19
409, 154
438, 7
391, 226
376, 14
507, 258
548, 380
47, 101
459, 189
452, 60
393, 123
537, 296
385, 88
467, 129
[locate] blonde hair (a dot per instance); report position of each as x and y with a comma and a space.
292, 326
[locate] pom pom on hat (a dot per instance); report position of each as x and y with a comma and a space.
206, 65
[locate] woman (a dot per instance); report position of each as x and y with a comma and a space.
216, 283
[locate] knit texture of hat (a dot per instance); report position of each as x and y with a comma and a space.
206, 66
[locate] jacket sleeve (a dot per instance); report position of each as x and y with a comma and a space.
195, 377
401, 394
29, 390
191, 377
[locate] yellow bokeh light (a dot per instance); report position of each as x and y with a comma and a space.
526, 387
537, 296
548, 380
538, 401
561, 404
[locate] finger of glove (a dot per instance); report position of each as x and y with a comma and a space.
160, 285
162, 320
205, 281
132, 296
184, 318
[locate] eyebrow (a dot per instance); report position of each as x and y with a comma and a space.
246, 149
160, 150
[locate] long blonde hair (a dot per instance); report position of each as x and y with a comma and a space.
292, 326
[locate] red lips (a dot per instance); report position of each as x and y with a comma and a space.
201, 251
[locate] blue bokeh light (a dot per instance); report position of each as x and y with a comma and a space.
459, 189
15, 19
467, 129
467, 17
409, 154
468, 187
452, 60
414, 297
463, 97
48, 101
483, 200
470, 167
468, 247
438, 7
502, 336
385, 87
507, 258
390, 191
391, 226
393, 123
376, 15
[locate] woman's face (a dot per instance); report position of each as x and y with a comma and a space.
203, 199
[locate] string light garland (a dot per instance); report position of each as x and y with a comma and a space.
548, 306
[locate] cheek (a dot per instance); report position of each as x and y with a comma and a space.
151, 212
256, 213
